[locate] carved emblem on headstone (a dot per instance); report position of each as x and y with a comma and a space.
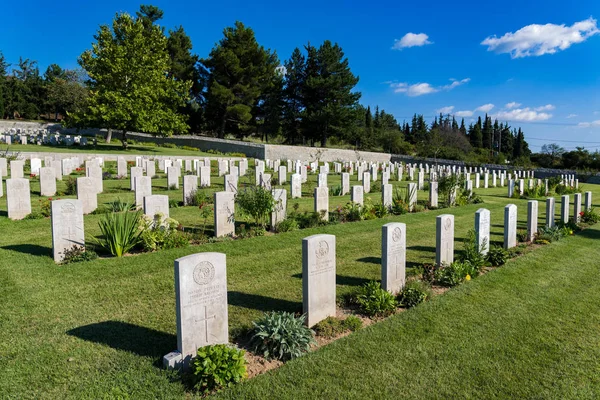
322, 249
204, 273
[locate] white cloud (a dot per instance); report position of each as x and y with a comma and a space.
282, 70
419, 89
411, 40
463, 114
485, 108
537, 40
572, 115
589, 124
512, 105
445, 110
522, 114
547, 107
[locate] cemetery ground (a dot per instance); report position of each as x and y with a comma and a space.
100, 328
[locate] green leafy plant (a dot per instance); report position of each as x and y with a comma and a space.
373, 300
551, 234
120, 232
380, 210
589, 216
78, 254
173, 203
414, 293
473, 252
216, 367
256, 202
71, 186
159, 233
287, 225
282, 336
352, 323
455, 273
335, 190
331, 327
119, 205
497, 256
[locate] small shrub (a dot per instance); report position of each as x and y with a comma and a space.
282, 336
589, 217
34, 215
427, 272
120, 232
335, 190
216, 367
455, 273
157, 233
376, 186
380, 210
309, 220
71, 186
256, 202
119, 205
414, 293
375, 301
190, 148
472, 252
46, 206
78, 254
172, 187
497, 256
330, 327
287, 225
353, 323
169, 145
551, 234
173, 203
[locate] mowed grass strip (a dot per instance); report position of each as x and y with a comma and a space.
527, 330
100, 328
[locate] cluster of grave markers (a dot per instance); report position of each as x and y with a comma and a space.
201, 279
40, 137
197, 173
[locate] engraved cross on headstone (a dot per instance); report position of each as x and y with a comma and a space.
205, 320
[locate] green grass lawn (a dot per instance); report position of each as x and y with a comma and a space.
99, 329
107, 148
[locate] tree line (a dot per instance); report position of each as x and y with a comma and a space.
139, 77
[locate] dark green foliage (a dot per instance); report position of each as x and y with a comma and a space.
78, 254
158, 234
287, 225
472, 252
497, 256
589, 217
455, 273
216, 367
375, 301
256, 202
414, 293
281, 335
71, 186
551, 234
120, 232
119, 205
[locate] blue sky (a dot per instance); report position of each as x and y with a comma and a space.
412, 57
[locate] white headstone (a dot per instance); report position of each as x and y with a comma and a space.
321, 204
482, 229
18, 199
201, 306
510, 226
550, 211
87, 193
190, 186
143, 188
564, 209
444, 239
156, 204
393, 257
532, 219
67, 227
224, 214
296, 186
47, 181
318, 278
279, 208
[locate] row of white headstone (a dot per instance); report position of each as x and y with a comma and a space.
201, 279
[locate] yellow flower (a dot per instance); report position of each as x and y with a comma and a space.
570, 232
468, 277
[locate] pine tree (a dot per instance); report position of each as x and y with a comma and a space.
462, 128
295, 70
3, 85
369, 122
475, 136
238, 70
487, 133
330, 84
